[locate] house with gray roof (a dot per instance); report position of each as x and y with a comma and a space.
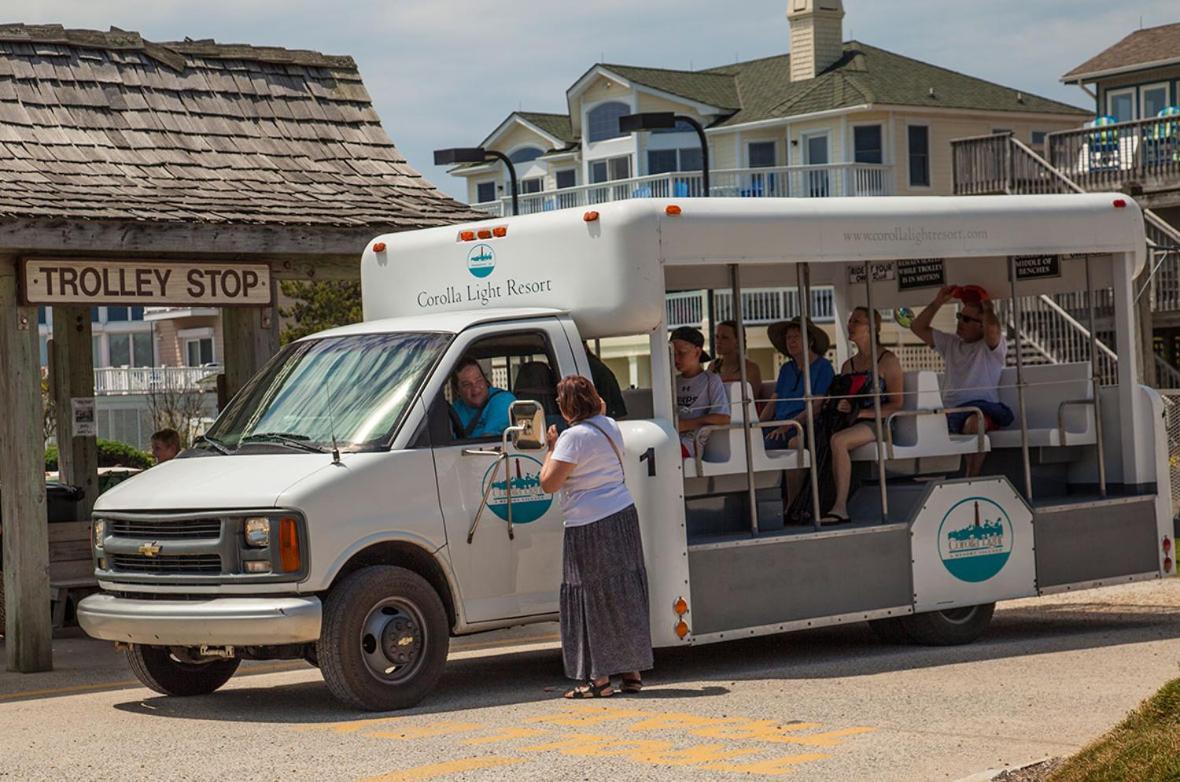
831, 118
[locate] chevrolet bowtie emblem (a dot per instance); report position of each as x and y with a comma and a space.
149, 549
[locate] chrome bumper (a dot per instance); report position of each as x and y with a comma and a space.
222, 621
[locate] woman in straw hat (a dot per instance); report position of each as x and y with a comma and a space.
787, 405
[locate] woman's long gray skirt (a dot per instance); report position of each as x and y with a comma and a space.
604, 609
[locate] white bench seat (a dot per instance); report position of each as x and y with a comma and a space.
725, 450
1058, 406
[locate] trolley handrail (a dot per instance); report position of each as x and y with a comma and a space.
937, 411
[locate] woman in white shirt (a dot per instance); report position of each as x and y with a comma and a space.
604, 603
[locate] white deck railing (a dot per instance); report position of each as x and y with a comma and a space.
759, 306
147, 380
836, 179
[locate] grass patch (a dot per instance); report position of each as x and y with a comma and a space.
1145, 747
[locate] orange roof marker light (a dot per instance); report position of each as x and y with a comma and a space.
485, 233
1120, 203
378, 247
500, 231
672, 210
590, 216
467, 236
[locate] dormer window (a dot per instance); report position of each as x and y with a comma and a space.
602, 121
525, 154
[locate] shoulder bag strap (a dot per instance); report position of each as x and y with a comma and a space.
613, 447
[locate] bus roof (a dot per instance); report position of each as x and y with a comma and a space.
438, 322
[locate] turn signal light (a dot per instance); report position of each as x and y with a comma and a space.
590, 216
379, 247
500, 231
681, 630
289, 545
672, 210
680, 606
1119, 203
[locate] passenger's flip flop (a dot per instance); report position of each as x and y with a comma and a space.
835, 518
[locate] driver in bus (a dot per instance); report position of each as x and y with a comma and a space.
974, 357
481, 409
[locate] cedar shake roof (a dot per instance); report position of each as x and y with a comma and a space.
108, 126
1154, 46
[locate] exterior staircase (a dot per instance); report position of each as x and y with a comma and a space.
1050, 325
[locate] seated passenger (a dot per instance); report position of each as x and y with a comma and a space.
481, 410
726, 364
700, 395
861, 423
606, 384
974, 357
787, 405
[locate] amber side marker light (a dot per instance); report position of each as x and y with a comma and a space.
680, 606
590, 216
378, 247
289, 545
681, 630
672, 210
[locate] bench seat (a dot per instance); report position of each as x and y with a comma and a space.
1058, 403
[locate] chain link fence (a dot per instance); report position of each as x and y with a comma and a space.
1172, 423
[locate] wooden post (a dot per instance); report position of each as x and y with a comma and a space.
72, 376
250, 336
22, 484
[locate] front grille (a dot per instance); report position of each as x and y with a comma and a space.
158, 529
167, 564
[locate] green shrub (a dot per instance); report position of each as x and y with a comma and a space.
110, 454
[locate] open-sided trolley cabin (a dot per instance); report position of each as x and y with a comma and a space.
370, 470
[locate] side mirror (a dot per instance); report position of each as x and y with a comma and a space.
528, 424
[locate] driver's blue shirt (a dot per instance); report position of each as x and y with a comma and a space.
493, 419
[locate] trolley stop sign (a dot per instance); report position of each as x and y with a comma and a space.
83, 281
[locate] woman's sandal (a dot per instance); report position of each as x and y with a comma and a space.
834, 518
590, 690
631, 686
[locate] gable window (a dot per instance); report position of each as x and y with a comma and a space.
762, 154
919, 153
485, 192
1153, 98
566, 178
531, 185
1120, 104
611, 169
681, 127
602, 121
661, 161
525, 154
1038, 139
866, 144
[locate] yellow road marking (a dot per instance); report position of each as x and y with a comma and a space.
574, 718
773, 767
426, 731
435, 770
507, 735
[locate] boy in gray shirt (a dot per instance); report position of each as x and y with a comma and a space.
700, 395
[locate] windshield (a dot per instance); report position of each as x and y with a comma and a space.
353, 387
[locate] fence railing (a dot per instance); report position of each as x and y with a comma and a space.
1105, 157
147, 380
1049, 329
759, 306
820, 181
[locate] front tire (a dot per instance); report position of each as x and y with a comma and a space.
384, 640
161, 670
951, 627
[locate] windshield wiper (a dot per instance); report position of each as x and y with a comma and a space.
218, 446
289, 440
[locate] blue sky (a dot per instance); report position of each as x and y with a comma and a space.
446, 72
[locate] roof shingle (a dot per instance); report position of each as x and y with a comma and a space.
1155, 45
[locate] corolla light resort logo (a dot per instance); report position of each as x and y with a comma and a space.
975, 539
481, 260
529, 500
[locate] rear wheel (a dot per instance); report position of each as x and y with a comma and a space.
950, 627
169, 673
384, 640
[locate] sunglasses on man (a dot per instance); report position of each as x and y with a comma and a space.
967, 318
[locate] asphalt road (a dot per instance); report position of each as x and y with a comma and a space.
830, 704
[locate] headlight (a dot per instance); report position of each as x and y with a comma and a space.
100, 529
257, 532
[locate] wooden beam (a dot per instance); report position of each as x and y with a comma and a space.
71, 377
22, 476
250, 336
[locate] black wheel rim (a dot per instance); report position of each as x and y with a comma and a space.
393, 640
959, 616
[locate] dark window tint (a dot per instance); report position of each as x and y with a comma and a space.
602, 121
867, 142
531, 185
116, 314
690, 159
919, 147
660, 161
137, 313
484, 192
525, 155
567, 178
762, 154
41, 315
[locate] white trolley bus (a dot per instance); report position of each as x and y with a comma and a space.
333, 513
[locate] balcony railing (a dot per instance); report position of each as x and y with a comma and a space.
1144, 151
837, 179
149, 380
759, 306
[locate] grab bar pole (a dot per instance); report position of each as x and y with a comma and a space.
803, 273
876, 390
1016, 314
1096, 383
735, 278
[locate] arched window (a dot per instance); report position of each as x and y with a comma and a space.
602, 121
525, 154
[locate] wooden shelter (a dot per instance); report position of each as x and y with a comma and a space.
124, 161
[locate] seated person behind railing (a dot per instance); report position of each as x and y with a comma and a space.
974, 357
700, 395
606, 384
481, 410
845, 441
787, 405
725, 342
